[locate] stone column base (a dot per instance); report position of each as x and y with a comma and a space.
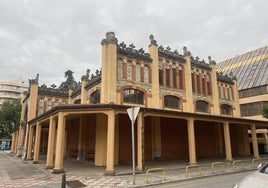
109, 172
49, 167
58, 171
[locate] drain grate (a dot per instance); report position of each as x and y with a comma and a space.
75, 183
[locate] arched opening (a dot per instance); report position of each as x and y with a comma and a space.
202, 106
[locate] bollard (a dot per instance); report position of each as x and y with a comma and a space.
63, 180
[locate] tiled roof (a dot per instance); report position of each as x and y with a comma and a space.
250, 69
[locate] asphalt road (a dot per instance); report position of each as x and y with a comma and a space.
221, 181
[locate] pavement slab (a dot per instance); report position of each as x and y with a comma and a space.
18, 173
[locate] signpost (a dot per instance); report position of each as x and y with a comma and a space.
132, 113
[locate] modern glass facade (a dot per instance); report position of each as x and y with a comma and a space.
251, 71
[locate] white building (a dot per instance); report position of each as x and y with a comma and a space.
12, 90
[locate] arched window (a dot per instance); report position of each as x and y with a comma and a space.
119, 68
171, 102
202, 106
95, 97
133, 96
226, 109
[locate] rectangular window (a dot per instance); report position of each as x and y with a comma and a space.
204, 86
180, 80
209, 88
224, 92
41, 106
198, 88
220, 91
174, 75
138, 72
251, 109
229, 93
160, 77
193, 82
48, 104
167, 78
129, 70
146, 74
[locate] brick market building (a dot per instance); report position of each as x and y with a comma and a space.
187, 111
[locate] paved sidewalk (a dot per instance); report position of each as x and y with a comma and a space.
17, 173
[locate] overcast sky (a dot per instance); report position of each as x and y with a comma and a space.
50, 37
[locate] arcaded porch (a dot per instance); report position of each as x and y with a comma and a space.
101, 135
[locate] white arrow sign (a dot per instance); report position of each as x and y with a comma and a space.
133, 112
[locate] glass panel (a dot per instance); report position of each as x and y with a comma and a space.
226, 109
174, 75
133, 96
167, 78
95, 97
172, 102
201, 106
160, 77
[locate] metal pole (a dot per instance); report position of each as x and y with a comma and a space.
63, 180
133, 146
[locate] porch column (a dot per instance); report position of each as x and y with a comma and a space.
110, 142
191, 141
30, 144
16, 141
51, 143
26, 138
156, 138
80, 139
12, 149
21, 140
60, 143
227, 141
18, 153
139, 142
116, 141
101, 140
37, 143
254, 142
220, 140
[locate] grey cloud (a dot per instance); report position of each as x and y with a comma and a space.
52, 36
